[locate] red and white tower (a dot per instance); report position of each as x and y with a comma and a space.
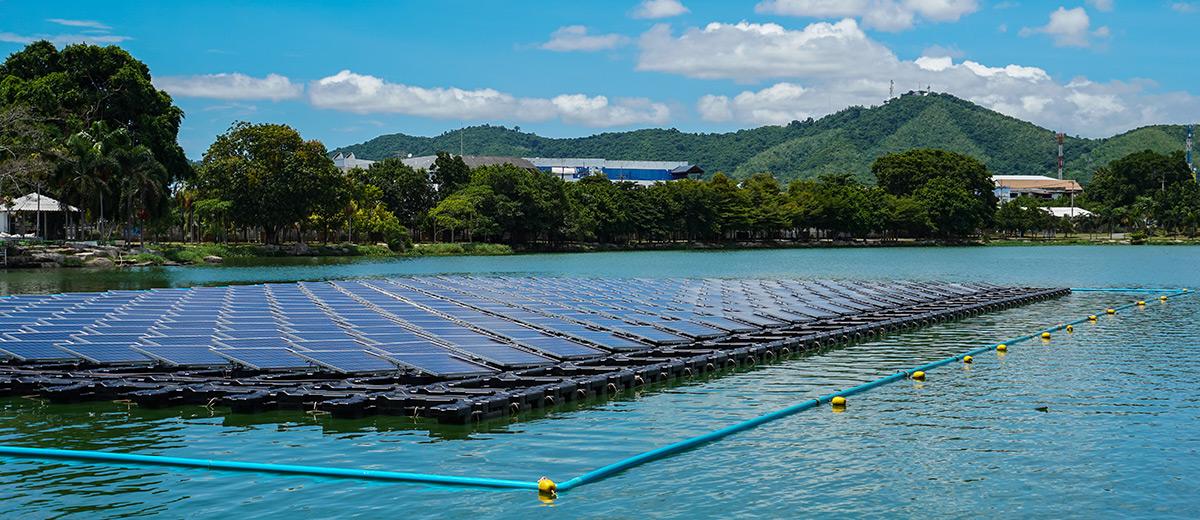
1060, 160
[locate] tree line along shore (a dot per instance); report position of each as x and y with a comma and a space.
86, 126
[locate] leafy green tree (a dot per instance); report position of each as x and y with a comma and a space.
450, 173
466, 210
272, 176
84, 167
1135, 175
952, 209
71, 89
732, 205
407, 192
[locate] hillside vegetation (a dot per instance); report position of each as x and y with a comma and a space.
844, 142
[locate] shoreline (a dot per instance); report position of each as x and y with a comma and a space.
78, 254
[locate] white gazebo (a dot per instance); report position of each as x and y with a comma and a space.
31, 203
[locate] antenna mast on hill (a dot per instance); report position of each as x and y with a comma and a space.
891, 88
1060, 157
460, 138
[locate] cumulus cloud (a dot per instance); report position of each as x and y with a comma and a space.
748, 52
658, 9
885, 15
1068, 27
826, 67
576, 38
230, 86
364, 94
1101, 5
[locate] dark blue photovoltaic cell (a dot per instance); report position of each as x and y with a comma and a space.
38, 336
106, 353
178, 340
560, 348
442, 365
264, 358
349, 361
183, 356
35, 351
652, 334
409, 347
504, 356
265, 342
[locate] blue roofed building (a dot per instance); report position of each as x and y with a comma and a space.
641, 172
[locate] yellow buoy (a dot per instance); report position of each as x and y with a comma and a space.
918, 375
546, 485
1045, 335
1070, 328
1140, 302
968, 359
1163, 298
1092, 317
838, 401
1110, 311
1001, 348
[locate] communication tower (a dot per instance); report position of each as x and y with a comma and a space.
1060, 156
1189, 152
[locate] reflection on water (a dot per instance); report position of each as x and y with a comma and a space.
1051, 266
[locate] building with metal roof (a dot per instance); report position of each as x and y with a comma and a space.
473, 161
642, 172
1009, 187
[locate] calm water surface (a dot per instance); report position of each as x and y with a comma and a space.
1102, 422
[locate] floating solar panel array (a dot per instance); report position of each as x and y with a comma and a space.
446, 327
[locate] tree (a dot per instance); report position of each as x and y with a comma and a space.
406, 192
272, 176
952, 209
85, 165
905, 174
1135, 175
450, 173
23, 147
70, 90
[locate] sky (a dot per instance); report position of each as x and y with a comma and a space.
344, 73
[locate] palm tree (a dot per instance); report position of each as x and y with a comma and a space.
83, 169
139, 173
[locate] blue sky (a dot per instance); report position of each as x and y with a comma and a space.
558, 68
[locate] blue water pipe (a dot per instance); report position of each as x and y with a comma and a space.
586, 478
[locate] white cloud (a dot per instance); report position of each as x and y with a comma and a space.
1068, 27
576, 38
778, 104
748, 52
658, 9
885, 15
578, 109
363, 94
230, 86
1101, 5
1186, 7
826, 67
79, 23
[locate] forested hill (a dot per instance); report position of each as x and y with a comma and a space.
845, 142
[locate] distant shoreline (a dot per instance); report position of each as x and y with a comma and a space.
52, 255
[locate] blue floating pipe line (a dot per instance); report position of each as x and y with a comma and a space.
586, 478
315, 471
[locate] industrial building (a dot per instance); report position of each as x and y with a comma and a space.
1009, 187
641, 172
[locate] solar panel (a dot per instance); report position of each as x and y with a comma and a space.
35, 351
349, 361
177, 355
106, 353
560, 348
264, 358
264, 342
443, 365
504, 356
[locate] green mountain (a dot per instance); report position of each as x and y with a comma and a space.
844, 142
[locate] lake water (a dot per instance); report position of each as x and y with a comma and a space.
1104, 421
